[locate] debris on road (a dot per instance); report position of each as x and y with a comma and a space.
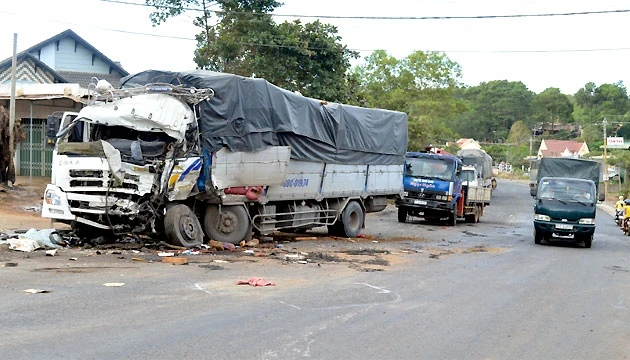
34, 239
175, 260
254, 281
36, 291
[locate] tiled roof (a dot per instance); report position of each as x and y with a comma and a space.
555, 148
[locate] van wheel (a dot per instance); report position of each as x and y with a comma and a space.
230, 224
181, 226
537, 237
588, 241
352, 219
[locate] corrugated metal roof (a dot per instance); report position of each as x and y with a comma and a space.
44, 91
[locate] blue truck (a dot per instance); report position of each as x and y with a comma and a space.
434, 189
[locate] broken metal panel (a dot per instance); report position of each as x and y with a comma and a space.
151, 113
183, 178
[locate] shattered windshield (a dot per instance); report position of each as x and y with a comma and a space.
437, 169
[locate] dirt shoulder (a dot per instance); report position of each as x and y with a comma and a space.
20, 206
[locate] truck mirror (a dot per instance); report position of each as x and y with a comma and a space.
601, 197
52, 128
533, 191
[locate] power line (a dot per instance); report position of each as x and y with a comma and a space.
470, 17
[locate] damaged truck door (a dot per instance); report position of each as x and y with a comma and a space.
210, 155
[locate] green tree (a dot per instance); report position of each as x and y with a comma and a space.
421, 85
608, 100
245, 40
494, 107
551, 106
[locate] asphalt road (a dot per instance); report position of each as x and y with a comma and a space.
404, 291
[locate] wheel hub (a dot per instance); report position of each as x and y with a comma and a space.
228, 223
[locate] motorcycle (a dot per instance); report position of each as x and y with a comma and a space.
626, 227
618, 217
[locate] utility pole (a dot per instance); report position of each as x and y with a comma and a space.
605, 156
12, 109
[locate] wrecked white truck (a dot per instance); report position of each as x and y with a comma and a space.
199, 154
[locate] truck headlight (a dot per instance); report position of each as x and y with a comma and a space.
51, 198
540, 217
405, 194
588, 221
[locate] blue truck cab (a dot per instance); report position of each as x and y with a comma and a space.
432, 187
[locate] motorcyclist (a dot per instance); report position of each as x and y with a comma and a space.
619, 210
619, 203
626, 215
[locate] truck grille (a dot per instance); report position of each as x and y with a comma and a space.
98, 179
420, 195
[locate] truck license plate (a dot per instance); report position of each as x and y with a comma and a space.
419, 202
564, 226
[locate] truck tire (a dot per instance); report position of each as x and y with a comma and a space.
452, 219
181, 226
402, 215
352, 219
229, 225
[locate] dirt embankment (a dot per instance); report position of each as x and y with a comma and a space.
20, 206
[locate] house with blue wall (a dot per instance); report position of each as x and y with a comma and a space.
51, 77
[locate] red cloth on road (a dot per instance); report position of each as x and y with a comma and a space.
255, 282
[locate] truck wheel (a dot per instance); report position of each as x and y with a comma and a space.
537, 237
478, 212
182, 227
230, 225
452, 219
402, 215
352, 219
588, 241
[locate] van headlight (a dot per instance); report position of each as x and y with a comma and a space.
541, 217
51, 198
587, 221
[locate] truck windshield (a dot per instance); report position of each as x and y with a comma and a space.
468, 175
567, 190
430, 168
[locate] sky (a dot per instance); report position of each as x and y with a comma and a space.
564, 52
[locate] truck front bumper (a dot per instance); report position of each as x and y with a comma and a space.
56, 204
425, 207
564, 229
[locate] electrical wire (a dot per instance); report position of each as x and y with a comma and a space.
348, 17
